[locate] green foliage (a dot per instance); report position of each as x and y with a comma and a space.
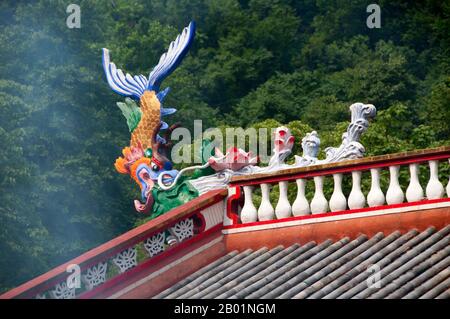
256, 63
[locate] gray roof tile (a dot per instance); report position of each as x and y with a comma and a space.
413, 265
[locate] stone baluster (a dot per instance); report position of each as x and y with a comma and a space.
394, 193
434, 189
265, 210
375, 196
356, 199
248, 212
319, 203
338, 201
414, 192
300, 207
283, 208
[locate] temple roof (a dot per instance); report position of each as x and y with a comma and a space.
410, 265
393, 247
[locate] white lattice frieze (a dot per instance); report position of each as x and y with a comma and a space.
184, 229
155, 244
126, 259
95, 275
61, 291
41, 296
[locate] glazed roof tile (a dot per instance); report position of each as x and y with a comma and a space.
411, 265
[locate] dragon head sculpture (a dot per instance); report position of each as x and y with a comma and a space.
146, 167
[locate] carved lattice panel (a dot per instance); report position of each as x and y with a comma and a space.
95, 275
184, 229
126, 259
155, 244
61, 291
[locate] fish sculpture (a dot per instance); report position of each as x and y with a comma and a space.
147, 158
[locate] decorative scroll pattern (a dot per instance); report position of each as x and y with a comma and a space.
126, 259
350, 147
61, 291
95, 275
155, 244
184, 229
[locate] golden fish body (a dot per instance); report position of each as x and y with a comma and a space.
150, 120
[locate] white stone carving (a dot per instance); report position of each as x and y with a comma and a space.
356, 198
155, 244
376, 195
41, 296
300, 207
283, 143
184, 229
319, 203
394, 193
265, 210
350, 147
126, 259
283, 208
61, 291
338, 201
95, 276
434, 189
414, 192
310, 146
249, 213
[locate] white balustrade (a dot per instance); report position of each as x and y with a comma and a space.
319, 203
265, 210
394, 193
356, 198
249, 213
338, 201
434, 189
376, 195
414, 192
300, 207
283, 208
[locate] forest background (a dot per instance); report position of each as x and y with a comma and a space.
254, 63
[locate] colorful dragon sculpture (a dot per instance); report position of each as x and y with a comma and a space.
147, 158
